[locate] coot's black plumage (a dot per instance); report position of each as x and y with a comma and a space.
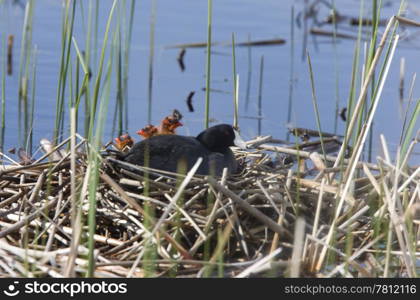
167, 151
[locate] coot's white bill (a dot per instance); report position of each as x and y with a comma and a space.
238, 141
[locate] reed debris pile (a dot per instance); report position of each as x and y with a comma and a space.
276, 218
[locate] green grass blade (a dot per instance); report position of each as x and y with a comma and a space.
208, 65
235, 84
315, 105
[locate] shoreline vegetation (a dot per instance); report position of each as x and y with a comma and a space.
316, 205
266, 221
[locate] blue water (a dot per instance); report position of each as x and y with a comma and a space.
185, 21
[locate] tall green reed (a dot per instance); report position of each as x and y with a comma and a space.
208, 65
235, 84
87, 57
151, 60
30, 126
409, 129
25, 55
292, 69
96, 139
120, 121
119, 103
336, 70
126, 53
315, 105
375, 22
3, 98
80, 89
260, 90
67, 33
249, 74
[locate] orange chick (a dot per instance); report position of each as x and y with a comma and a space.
124, 142
170, 123
148, 131
166, 126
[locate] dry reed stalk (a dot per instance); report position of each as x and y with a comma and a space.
358, 148
295, 261
362, 97
307, 154
75, 220
255, 268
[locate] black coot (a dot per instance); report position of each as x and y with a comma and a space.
167, 151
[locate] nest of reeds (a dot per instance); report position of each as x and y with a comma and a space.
275, 218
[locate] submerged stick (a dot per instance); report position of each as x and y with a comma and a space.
10, 39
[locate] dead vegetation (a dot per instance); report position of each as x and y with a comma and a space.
273, 219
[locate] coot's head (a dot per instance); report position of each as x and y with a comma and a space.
220, 137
